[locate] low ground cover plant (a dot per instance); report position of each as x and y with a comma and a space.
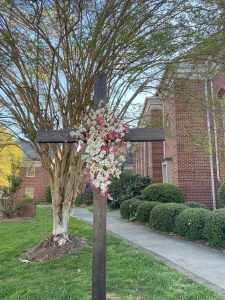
163, 192
144, 210
163, 216
190, 223
214, 230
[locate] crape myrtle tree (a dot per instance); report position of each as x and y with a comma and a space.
49, 52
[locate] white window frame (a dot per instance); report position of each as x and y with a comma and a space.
167, 171
29, 190
29, 173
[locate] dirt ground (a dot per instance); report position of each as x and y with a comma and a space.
49, 249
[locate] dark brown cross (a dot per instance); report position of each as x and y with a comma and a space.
100, 202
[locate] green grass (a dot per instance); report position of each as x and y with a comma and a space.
131, 274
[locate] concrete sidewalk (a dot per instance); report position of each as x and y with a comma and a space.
202, 263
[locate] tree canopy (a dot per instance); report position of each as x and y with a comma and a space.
11, 157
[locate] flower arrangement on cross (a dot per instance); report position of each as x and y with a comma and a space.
101, 134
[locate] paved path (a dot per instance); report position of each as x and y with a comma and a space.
203, 263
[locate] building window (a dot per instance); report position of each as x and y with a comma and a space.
29, 192
167, 170
31, 172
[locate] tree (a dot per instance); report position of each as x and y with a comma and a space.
10, 162
49, 52
10, 158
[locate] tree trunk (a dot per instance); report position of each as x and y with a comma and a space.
64, 187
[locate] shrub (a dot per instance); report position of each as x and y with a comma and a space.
214, 230
221, 194
126, 187
163, 216
117, 188
128, 208
48, 194
7, 196
144, 210
163, 192
124, 209
193, 204
133, 208
136, 184
190, 223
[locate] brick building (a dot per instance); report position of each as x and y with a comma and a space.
34, 177
192, 155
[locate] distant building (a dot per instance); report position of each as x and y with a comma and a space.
34, 177
181, 160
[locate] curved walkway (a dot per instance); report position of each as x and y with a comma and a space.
203, 263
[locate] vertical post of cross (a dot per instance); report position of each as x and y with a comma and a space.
99, 214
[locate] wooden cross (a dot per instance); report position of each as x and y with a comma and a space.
100, 202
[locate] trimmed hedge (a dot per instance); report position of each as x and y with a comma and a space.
163, 192
190, 223
128, 208
194, 204
163, 216
214, 230
144, 210
221, 194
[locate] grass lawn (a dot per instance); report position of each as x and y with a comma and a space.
131, 274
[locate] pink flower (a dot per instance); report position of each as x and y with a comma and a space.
109, 197
101, 120
115, 150
88, 179
105, 147
126, 128
103, 192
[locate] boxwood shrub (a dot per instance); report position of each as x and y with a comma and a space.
163, 216
144, 210
214, 230
163, 192
194, 204
128, 208
190, 223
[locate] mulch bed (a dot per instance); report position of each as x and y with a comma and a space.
49, 249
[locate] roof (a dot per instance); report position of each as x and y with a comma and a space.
29, 152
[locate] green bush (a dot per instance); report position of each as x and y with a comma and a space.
128, 208
136, 184
133, 208
163, 192
194, 204
124, 212
163, 216
126, 187
190, 223
48, 194
144, 210
221, 194
214, 230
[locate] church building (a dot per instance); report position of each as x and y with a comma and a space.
190, 106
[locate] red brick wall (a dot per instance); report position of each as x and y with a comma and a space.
149, 155
191, 164
39, 183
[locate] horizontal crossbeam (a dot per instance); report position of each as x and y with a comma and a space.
134, 135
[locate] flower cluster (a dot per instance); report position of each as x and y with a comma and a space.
102, 135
